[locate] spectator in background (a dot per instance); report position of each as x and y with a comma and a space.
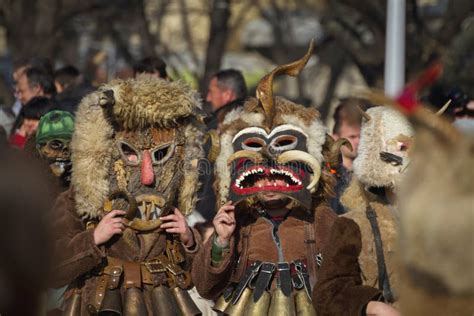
35, 82
463, 108
71, 88
8, 115
31, 114
65, 77
347, 123
226, 91
154, 66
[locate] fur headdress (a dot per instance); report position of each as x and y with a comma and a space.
387, 132
129, 105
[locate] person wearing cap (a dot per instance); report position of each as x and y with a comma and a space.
53, 136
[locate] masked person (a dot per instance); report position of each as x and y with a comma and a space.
274, 221
386, 139
53, 139
123, 246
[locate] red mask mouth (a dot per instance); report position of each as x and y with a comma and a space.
267, 179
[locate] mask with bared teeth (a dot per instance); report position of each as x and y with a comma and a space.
271, 145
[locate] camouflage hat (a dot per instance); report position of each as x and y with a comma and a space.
55, 124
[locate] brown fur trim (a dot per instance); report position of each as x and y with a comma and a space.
194, 134
91, 153
152, 102
354, 196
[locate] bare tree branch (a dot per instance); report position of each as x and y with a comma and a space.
187, 32
218, 35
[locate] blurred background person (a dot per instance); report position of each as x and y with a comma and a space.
154, 66
35, 82
24, 241
9, 114
71, 87
347, 124
31, 114
226, 91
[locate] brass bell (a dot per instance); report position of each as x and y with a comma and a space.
281, 305
73, 305
163, 302
185, 302
239, 308
304, 306
134, 302
221, 304
260, 307
112, 303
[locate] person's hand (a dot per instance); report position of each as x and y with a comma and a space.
176, 223
224, 223
382, 309
110, 225
28, 127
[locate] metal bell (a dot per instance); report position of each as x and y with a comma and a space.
134, 302
238, 309
112, 303
281, 305
73, 305
185, 302
260, 307
304, 306
163, 302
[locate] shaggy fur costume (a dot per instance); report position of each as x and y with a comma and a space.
153, 103
145, 112
386, 131
304, 232
381, 133
437, 221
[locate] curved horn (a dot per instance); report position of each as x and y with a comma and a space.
304, 157
132, 203
106, 98
334, 150
363, 113
265, 86
253, 155
215, 145
444, 108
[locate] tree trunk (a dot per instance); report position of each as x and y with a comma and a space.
220, 15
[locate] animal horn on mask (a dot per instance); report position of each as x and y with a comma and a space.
333, 148
444, 108
363, 113
265, 86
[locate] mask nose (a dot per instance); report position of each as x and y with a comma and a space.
147, 174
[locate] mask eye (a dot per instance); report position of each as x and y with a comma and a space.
56, 144
284, 142
161, 154
402, 146
253, 143
129, 154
